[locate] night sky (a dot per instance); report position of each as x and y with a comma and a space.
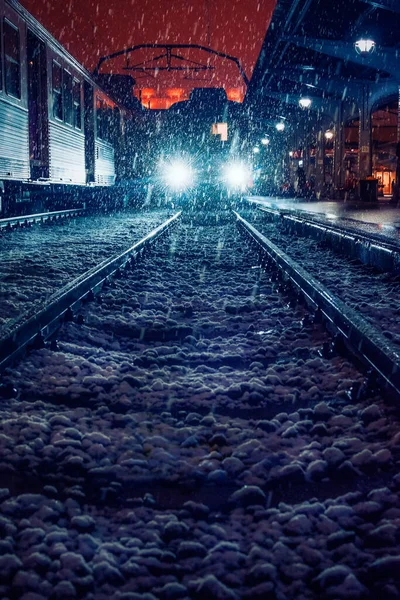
90, 29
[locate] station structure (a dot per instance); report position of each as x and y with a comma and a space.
325, 93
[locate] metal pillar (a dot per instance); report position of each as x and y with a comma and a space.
365, 135
396, 187
320, 161
339, 149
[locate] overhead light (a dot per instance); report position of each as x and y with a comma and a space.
305, 102
365, 46
280, 126
265, 141
256, 149
329, 134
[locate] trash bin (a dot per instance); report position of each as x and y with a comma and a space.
369, 190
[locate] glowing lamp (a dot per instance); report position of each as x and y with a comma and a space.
364, 46
265, 141
305, 102
237, 174
178, 175
256, 149
328, 135
280, 126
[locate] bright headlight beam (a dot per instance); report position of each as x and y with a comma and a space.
178, 175
236, 175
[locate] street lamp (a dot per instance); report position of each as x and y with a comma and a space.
305, 102
329, 135
280, 126
364, 46
265, 141
256, 149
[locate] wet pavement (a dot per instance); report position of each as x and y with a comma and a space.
383, 217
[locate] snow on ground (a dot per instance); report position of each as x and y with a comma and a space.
189, 441
38, 261
374, 294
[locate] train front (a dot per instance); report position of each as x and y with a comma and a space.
202, 165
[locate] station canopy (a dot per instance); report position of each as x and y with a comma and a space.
309, 50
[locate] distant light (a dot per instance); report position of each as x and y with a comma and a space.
364, 46
265, 141
280, 126
305, 102
256, 149
178, 175
237, 174
291, 153
329, 134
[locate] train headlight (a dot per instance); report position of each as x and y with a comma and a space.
237, 175
178, 175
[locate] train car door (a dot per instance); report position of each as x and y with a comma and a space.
89, 131
37, 107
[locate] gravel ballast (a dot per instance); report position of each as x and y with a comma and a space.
190, 440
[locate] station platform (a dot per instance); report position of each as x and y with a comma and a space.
381, 217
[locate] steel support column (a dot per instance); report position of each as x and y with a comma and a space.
365, 135
396, 187
339, 149
319, 161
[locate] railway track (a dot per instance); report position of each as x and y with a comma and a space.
349, 326
191, 436
371, 291
36, 263
34, 331
10, 223
370, 248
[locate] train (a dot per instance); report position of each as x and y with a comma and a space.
69, 138
61, 134
201, 151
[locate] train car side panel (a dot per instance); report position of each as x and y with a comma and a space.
67, 155
104, 167
66, 135
104, 163
14, 126
14, 142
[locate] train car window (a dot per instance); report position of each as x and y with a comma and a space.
108, 114
12, 59
57, 91
76, 93
67, 98
99, 118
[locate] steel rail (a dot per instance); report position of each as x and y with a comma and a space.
370, 249
25, 219
360, 336
61, 306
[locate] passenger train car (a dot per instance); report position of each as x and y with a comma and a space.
58, 128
